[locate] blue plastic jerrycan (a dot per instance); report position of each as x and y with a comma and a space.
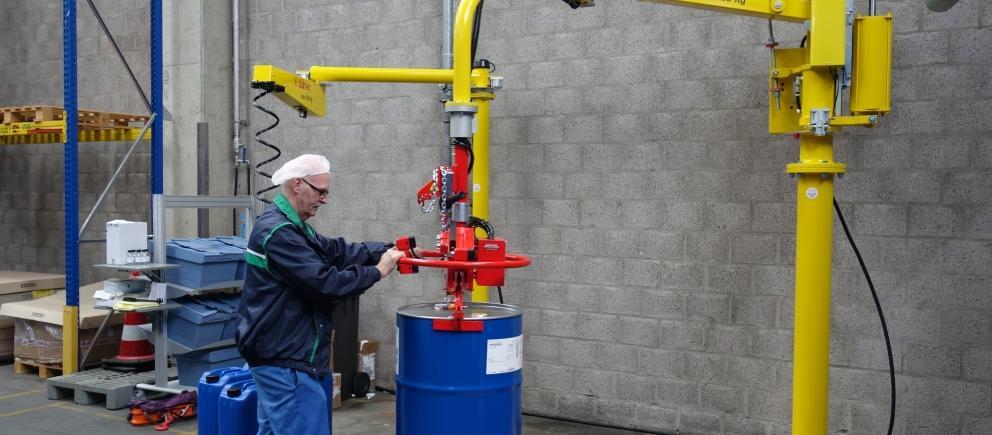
208, 393
236, 409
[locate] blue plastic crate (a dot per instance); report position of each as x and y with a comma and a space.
238, 243
203, 320
204, 262
193, 365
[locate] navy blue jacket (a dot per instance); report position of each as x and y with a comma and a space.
294, 276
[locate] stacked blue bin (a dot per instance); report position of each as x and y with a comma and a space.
206, 261
202, 321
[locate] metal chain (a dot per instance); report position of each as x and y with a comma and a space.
444, 200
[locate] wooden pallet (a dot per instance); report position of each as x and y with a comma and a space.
31, 114
88, 119
44, 370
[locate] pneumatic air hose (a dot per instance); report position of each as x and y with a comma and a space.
258, 137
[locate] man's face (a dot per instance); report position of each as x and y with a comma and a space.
312, 191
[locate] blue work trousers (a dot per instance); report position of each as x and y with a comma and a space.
290, 402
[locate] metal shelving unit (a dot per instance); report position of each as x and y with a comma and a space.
72, 136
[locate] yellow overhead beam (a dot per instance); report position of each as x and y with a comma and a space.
784, 10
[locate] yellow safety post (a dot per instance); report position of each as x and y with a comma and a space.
481, 94
70, 339
816, 169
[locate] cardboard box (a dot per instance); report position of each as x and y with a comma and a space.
17, 286
38, 326
42, 342
49, 309
367, 350
336, 400
18, 282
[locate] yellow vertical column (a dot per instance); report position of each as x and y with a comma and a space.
481, 94
70, 339
814, 247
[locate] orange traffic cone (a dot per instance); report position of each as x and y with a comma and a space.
135, 353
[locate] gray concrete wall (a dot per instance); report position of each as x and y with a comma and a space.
631, 161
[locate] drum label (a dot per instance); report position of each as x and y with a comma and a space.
504, 355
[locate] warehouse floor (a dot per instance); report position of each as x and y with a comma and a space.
25, 409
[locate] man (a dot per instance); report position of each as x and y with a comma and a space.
294, 275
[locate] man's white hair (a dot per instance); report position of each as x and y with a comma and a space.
302, 166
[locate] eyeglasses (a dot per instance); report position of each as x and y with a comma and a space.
321, 192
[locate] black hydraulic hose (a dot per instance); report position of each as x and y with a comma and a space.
881, 317
475, 29
258, 137
602, 425
477, 222
234, 212
462, 142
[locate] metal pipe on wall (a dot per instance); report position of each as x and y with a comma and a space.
235, 80
446, 23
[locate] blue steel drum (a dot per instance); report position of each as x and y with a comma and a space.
237, 412
208, 394
459, 382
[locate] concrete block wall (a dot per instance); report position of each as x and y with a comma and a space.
630, 159
31, 176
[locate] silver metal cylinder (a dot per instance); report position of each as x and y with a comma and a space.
461, 119
460, 211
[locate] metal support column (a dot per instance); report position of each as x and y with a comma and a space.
70, 315
158, 209
482, 94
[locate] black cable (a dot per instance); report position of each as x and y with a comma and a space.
477, 222
802, 43
499, 289
881, 317
475, 30
603, 425
837, 89
258, 137
462, 142
234, 212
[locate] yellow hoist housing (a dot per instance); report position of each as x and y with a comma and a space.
872, 70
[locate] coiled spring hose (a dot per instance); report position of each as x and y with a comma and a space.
258, 137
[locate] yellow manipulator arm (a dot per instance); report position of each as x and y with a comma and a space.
304, 95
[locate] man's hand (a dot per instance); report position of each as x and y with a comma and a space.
388, 261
